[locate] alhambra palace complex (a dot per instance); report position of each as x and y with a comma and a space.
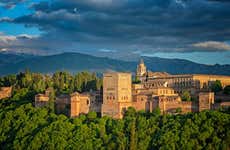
155, 90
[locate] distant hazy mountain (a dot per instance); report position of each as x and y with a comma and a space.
72, 62
75, 62
10, 58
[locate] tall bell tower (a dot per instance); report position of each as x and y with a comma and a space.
141, 69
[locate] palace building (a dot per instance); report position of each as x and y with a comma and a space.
156, 90
194, 83
119, 93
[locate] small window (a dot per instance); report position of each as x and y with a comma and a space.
123, 110
87, 102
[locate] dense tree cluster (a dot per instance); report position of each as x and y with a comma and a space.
227, 90
23, 126
216, 86
62, 82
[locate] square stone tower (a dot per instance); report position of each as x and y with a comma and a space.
117, 94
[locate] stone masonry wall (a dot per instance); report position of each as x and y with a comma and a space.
5, 92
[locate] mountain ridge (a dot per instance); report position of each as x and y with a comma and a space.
75, 62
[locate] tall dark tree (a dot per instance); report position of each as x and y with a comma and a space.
216, 86
227, 90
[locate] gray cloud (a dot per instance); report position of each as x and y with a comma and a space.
220, 1
124, 25
212, 45
16, 44
10, 3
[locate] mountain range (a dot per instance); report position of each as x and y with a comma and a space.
75, 62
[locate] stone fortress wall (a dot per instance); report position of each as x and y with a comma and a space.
73, 104
5, 92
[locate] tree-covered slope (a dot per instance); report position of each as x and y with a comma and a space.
23, 126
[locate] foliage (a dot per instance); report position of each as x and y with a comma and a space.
62, 82
216, 86
186, 96
227, 90
136, 80
25, 127
179, 110
157, 111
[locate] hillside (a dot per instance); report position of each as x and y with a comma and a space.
75, 62
181, 66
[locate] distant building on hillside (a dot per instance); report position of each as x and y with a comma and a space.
5, 92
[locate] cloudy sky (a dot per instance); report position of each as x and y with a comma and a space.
197, 30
